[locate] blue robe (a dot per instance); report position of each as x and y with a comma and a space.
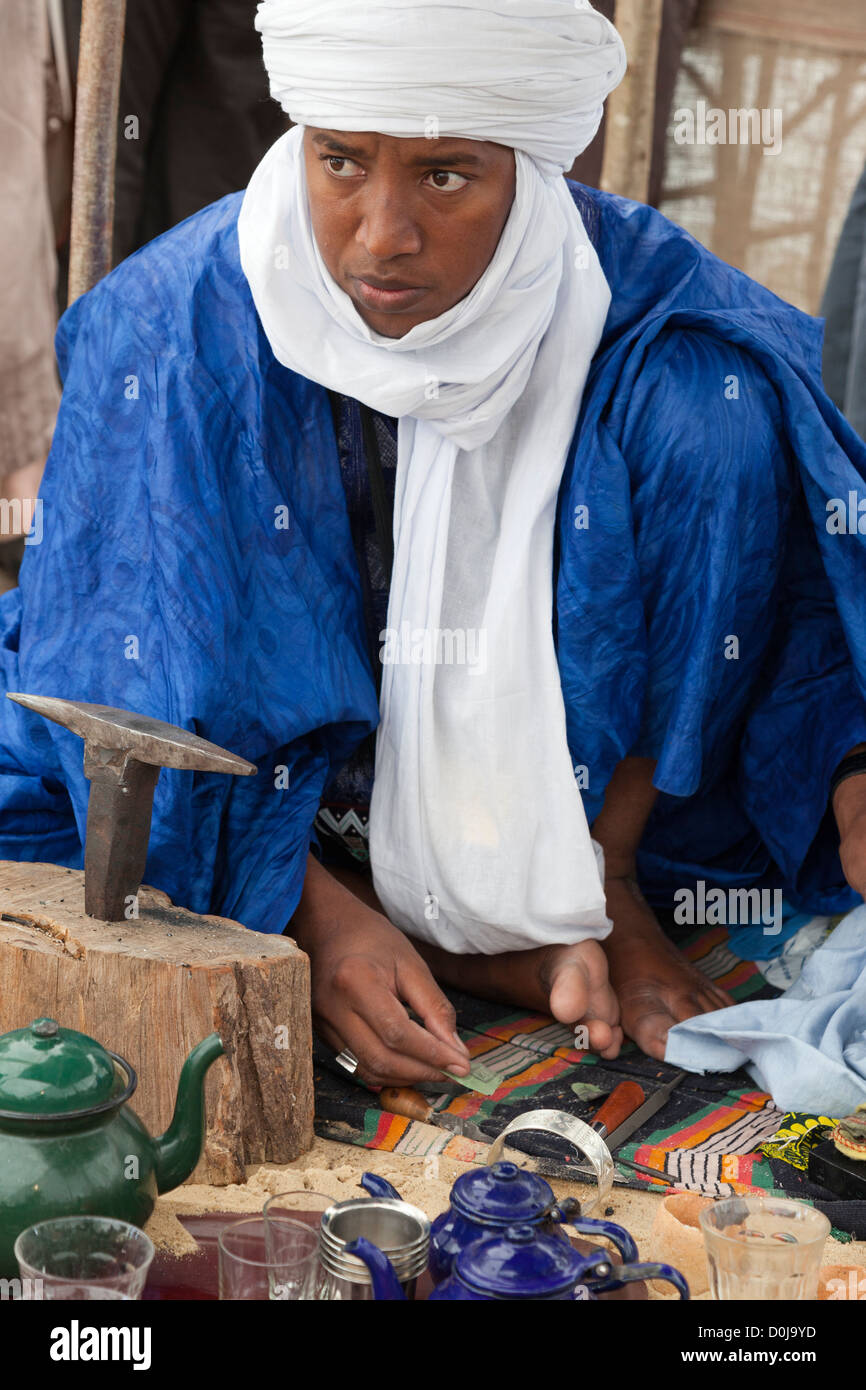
197, 565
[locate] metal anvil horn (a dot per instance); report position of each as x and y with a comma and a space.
123, 754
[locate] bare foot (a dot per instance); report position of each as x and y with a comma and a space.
575, 980
655, 985
569, 982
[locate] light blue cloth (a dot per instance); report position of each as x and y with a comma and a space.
808, 1047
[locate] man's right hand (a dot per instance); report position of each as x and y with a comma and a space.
365, 973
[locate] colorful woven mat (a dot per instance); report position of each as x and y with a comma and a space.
707, 1137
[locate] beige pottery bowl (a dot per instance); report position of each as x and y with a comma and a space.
676, 1238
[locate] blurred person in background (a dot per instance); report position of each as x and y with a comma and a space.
844, 311
30, 113
194, 113
194, 119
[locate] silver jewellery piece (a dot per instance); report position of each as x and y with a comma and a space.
587, 1141
348, 1061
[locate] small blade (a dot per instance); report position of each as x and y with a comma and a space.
457, 1125
644, 1112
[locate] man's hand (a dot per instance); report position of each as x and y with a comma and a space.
849, 808
364, 973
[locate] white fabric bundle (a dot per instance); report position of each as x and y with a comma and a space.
478, 838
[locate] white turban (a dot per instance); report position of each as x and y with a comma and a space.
532, 74
478, 837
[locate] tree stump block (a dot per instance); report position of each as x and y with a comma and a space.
151, 988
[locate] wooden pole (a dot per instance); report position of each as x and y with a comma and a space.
628, 133
99, 62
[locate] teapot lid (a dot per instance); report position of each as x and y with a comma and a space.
47, 1071
519, 1262
501, 1194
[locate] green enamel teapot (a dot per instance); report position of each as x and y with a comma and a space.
71, 1145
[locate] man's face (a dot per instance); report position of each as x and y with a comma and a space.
389, 211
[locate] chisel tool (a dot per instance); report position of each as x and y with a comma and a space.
636, 1118
623, 1102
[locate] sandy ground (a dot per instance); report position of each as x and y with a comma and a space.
335, 1169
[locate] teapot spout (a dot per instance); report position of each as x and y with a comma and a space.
178, 1150
386, 1285
379, 1187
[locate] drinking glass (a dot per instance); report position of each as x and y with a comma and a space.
306, 1206
299, 1205
763, 1247
268, 1260
78, 1250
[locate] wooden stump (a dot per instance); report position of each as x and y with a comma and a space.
150, 989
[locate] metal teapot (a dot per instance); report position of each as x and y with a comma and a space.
69, 1142
491, 1199
519, 1262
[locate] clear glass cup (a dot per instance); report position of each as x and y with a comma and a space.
764, 1248
300, 1205
78, 1250
272, 1260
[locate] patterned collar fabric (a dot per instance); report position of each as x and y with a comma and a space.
342, 819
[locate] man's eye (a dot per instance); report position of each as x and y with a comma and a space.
332, 159
448, 174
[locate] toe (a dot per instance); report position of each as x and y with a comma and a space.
712, 1000
648, 1026
600, 1035
652, 1037
683, 1006
613, 1048
569, 994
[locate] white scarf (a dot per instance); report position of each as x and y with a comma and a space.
478, 837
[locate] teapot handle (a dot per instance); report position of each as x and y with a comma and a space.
631, 1273
568, 1213
378, 1187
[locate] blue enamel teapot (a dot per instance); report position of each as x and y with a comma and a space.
519, 1262
489, 1205
489, 1200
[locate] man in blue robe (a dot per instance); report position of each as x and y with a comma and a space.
200, 563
